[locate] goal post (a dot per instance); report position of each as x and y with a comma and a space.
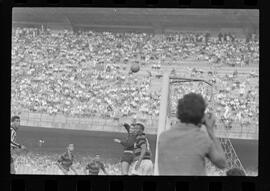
163, 111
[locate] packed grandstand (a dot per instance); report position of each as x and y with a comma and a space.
86, 73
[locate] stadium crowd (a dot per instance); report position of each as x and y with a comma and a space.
233, 98
87, 73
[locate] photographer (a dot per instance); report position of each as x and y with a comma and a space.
183, 148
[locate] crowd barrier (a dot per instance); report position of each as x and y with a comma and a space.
112, 125
91, 123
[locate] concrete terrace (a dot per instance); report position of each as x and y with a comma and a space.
131, 19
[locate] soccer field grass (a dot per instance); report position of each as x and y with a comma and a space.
85, 142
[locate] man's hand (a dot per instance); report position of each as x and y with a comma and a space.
138, 165
122, 124
209, 120
117, 140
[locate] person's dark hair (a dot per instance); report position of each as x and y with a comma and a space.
13, 118
141, 126
191, 108
235, 172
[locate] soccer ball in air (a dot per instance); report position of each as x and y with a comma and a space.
135, 68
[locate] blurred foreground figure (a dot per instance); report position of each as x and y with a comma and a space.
183, 148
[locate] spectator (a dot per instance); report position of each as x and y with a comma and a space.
182, 150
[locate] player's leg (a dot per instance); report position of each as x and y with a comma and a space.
149, 167
12, 161
63, 170
143, 167
132, 168
12, 167
124, 168
125, 163
135, 172
146, 167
